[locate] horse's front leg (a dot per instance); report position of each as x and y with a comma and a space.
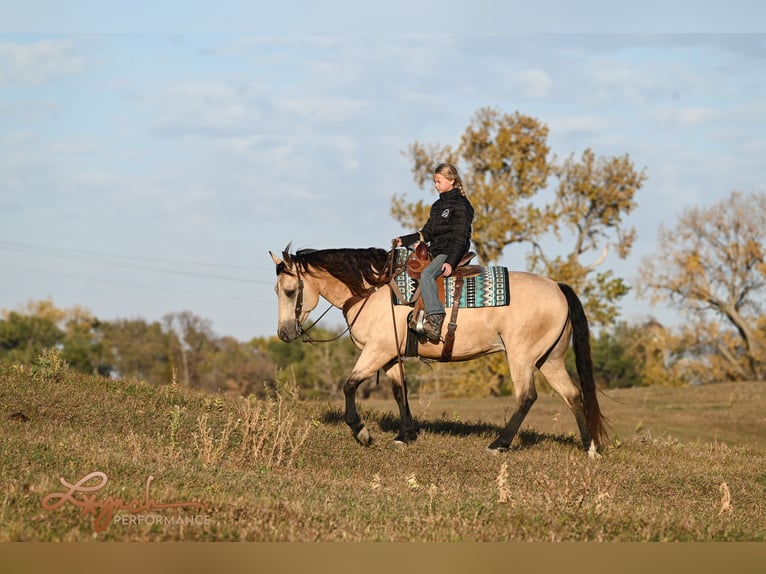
352, 418
370, 361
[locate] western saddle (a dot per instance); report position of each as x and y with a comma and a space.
417, 261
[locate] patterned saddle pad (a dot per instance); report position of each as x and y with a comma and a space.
488, 289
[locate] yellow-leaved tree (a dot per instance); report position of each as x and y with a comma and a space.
505, 163
711, 267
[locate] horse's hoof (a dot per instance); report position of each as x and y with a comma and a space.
406, 437
363, 437
497, 447
593, 451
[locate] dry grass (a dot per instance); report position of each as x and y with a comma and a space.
683, 465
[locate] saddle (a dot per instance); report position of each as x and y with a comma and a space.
420, 258
417, 261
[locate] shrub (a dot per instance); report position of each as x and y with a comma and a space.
50, 366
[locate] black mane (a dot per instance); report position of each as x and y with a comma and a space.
358, 269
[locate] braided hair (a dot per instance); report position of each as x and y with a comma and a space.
450, 172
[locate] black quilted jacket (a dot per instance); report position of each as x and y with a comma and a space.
448, 229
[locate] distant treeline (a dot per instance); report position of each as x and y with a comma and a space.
183, 348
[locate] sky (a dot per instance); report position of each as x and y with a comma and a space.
148, 167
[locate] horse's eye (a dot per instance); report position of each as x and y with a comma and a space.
290, 293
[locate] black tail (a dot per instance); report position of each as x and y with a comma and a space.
581, 344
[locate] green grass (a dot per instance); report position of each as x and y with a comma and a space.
682, 465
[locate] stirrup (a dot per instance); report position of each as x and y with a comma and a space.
416, 323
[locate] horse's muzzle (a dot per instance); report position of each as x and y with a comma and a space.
283, 334
288, 332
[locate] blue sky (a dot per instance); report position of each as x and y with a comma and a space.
148, 168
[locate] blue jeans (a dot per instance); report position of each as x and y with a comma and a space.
428, 285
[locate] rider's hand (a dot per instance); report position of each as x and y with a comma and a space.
397, 241
447, 269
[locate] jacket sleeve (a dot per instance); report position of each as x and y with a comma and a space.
422, 235
410, 238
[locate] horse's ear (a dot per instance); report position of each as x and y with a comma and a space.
276, 259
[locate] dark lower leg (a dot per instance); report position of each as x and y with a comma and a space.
582, 424
408, 430
352, 418
508, 433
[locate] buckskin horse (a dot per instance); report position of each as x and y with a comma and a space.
534, 331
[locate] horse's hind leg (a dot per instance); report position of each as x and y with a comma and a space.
526, 394
408, 431
558, 378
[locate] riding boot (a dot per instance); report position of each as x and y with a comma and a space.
433, 327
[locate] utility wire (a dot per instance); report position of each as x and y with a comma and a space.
131, 262
154, 288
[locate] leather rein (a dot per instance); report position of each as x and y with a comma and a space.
308, 339
303, 333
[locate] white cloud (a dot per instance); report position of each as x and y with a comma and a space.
35, 64
684, 117
535, 83
621, 83
565, 125
74, 148
323, 109
213, 107
697, 115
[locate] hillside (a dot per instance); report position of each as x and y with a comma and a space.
166, 463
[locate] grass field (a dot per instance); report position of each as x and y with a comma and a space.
682, 464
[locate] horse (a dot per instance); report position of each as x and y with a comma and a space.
534, 331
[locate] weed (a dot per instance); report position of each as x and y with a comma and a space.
271, 434
212, 446
260, 431
503, 491
175, 423
725, 499
49, 367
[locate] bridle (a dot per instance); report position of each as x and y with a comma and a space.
392, 272
303, 333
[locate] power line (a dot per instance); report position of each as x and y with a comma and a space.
29, 246
125, 261
125, 283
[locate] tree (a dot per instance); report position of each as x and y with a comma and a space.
592, 198
503, 164
613, 366
24, 337
135, 348
236, 368
77, 334
194, 340
711, 267
82, 349
632, 355
503, 159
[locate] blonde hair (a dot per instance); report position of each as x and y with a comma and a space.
450, 172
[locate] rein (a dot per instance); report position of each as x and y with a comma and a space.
306, 338
392, 286
299, 310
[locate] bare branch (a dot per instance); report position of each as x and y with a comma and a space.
597, 262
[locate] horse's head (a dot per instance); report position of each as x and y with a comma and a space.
298, 295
